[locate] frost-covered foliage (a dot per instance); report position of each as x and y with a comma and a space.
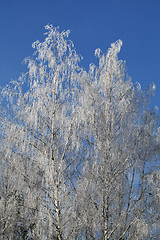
79, 150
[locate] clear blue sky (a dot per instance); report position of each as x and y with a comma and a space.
93, 24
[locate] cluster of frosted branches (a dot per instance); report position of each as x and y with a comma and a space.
79, 150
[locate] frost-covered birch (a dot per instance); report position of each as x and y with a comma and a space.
112, 195
40, 137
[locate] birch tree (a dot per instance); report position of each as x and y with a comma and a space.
113, 193
40, 136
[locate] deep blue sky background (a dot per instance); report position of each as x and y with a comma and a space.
93, 24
